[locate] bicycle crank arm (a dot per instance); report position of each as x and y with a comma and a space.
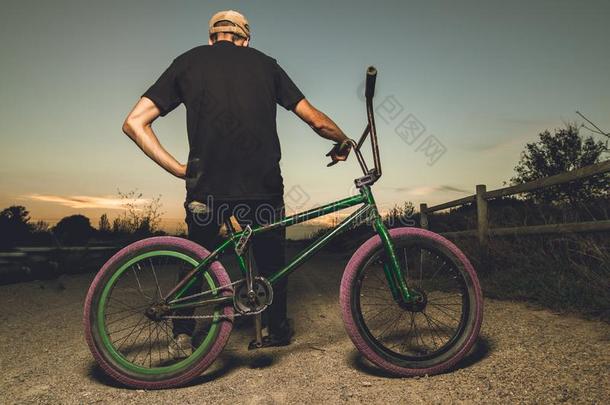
258, 321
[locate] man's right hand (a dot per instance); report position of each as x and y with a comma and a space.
181, 172
138, 126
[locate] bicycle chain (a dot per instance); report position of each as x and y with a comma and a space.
206, 316
203, 316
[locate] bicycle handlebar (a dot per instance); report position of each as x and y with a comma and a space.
372, 175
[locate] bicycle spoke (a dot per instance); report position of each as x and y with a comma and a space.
437, 271
378, 298
389, 325
404, 253
133, 342
431, 329
122, 303
158, 343
121, 319
439, 323
445, 301
123, 339
380, 312
138, 282
135, 309
445, 305
448, 315
418, 328
152, 267
394, 324
403, 346
421, 260
126, 327
170, 335
149, 347
384, 289
411, 327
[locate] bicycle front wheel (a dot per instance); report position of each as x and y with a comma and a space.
141, 350
425, 336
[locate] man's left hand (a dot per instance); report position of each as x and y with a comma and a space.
339, 152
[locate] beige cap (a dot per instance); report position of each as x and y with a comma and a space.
240, 22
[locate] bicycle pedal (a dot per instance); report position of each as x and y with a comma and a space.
253, 345
269, 341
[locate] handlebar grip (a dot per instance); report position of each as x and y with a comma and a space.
371, 77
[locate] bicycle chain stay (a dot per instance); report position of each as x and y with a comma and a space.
201, 294
241, 281
205, 316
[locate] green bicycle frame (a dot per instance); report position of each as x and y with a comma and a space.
175, 298
368, 211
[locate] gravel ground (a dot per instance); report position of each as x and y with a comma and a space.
524, 355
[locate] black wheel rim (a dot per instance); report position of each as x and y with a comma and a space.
413, 332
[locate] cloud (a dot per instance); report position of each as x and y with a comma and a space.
80, 201
452, 188
425, 190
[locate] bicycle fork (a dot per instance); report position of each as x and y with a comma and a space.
393, 272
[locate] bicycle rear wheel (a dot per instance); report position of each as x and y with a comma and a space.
427, 336
140, 350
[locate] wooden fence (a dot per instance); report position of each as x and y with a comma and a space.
42, 250
482, 196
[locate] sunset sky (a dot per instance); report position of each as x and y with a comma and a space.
480, 78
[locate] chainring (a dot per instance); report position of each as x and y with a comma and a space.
263, 296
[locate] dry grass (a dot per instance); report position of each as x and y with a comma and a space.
566, 273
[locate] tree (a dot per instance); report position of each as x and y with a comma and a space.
400, 215
14, 226
556, 153
117, 226
41, 234
17, 213
74, 229
40, 227
139, 219
104, 224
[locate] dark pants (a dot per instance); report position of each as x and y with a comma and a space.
204, 223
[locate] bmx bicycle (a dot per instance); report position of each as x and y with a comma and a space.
410, 299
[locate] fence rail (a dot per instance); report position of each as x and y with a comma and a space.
23, 251
482, 196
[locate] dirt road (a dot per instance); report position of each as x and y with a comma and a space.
525, 355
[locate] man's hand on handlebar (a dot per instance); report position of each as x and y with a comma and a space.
339, 152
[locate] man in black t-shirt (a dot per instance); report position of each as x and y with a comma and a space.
231, 92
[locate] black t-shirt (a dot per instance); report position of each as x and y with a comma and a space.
230, 93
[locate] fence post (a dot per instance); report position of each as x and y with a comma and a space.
423, 216
482, 224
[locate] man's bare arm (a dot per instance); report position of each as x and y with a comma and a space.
319, 122
325, 127
138, 126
